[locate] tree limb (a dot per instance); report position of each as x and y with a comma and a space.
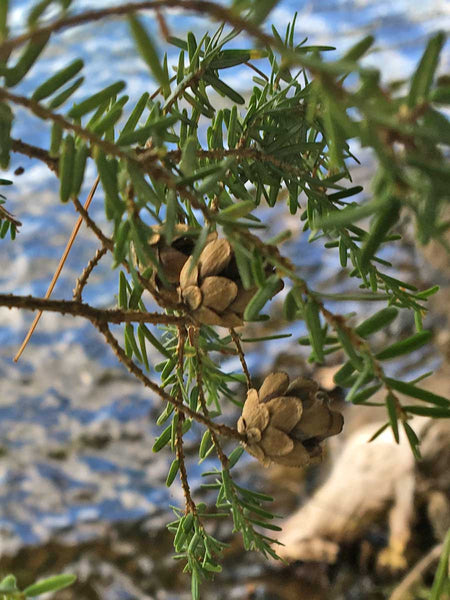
81, 309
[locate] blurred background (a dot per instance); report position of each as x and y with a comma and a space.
80, 489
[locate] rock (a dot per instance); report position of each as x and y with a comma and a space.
367, 481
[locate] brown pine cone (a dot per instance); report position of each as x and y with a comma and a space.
172, 258
286, 422
212, 289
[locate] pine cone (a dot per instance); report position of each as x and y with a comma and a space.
286, 422
172, 258
212, 289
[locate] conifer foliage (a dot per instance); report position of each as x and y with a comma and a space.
184, 169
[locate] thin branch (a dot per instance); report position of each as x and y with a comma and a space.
338, 322
190, 504
286, 268
237, 343
201, 395
261, 73
143, 156
241, 152
146, 159
35, 152
109, 244
59, 268
219, 428
81, 309
216, 12
5, 214
47, 115
163, 27
82, 280
91, 224
188, 83
179, 450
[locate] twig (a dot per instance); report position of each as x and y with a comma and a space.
145, 159
416, 573
261, 73
35, 152
58, 270
217, 153
338, 322
224, 461
219, 428
80, 309
163, 27
91, 224
5, 214
215, 11
190, 504
237, 343
47, 115
241, 152
188, 83
201, 395
109, 244
82, 280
